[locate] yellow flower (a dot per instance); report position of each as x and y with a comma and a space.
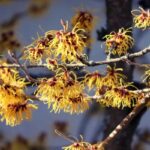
84, 19
8, 40
119, 97
13, 105
69, 45
111, 89
10, 94
141, 18
63, 92
119, 43
11, 76
51, 64
49, 89
94, 79
82, 145
37, 51
38, 7
76, 104
113, 77
79, 146
147, 77
15, 113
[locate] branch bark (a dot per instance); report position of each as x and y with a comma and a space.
125, 122
125, 58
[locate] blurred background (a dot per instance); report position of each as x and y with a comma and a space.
24, 20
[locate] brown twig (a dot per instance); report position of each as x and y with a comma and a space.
18, 66
28, 77
112, 60
138, 64
145, 90
125, 58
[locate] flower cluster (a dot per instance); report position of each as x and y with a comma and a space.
51, 64
63, 92
112, 78
119, 42
78, 146
8, 40
141, 18
119, 97
147, 77
94, 79
69, 45
11, 76
64, 44
113, 88
14, 106
85, 20
82, 145
38, 7
38, 50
